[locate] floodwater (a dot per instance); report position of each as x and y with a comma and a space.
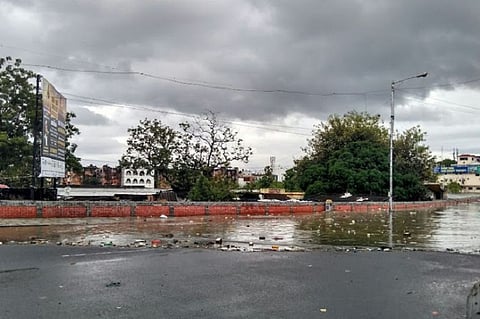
456, 228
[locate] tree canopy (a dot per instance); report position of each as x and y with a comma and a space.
17, 118
17, 114
187, 157
350, 153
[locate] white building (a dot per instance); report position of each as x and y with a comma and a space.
466, 173
137, 178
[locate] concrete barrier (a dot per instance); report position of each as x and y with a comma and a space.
81, 209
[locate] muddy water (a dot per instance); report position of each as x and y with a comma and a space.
453, 229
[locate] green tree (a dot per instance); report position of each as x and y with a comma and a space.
205, 144
17, 114
351, 153
447, 162
181, 157
72, 162
268, 180
211, 189
151, 145
413, 165
454, 187
17, 117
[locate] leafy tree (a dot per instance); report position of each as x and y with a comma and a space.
181, 157
206, 143
72, 163
447, 162
213, 189
17, 117
454, 187
151, 145
267, 179
17, 114
351, 153
413, 165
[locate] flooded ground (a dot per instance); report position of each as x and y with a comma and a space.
453, 229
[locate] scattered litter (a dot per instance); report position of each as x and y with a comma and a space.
156, 243
102, 244
140, 243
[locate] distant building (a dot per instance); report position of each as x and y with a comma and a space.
138, 178
465, 172
95, 176
228, 172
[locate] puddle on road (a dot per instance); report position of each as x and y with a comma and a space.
452, 229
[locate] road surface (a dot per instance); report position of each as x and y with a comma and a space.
92, 282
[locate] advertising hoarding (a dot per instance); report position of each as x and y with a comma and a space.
52, 159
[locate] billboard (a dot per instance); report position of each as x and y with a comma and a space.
52, 159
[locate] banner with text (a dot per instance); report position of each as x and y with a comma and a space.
52, 162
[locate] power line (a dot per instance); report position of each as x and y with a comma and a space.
216, 86
96, 101
204, 84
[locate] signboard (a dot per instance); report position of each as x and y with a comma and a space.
457, 169
52, 160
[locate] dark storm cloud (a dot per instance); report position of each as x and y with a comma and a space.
317, 47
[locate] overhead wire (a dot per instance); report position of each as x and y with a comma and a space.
202, 84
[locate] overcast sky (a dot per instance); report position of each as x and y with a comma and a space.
271, 69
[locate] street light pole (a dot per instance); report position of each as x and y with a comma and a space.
392, 120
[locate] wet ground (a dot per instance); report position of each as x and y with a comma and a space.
453, 229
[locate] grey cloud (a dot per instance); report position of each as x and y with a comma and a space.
86, 117
329, 46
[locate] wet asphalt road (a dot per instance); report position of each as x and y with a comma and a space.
92, 282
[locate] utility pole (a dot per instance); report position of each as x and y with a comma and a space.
392, 120
35, 140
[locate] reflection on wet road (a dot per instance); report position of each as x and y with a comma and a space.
453, 229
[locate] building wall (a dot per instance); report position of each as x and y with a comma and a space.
138, 178
468, 159
470, 182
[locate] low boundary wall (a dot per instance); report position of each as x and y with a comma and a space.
81, 209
